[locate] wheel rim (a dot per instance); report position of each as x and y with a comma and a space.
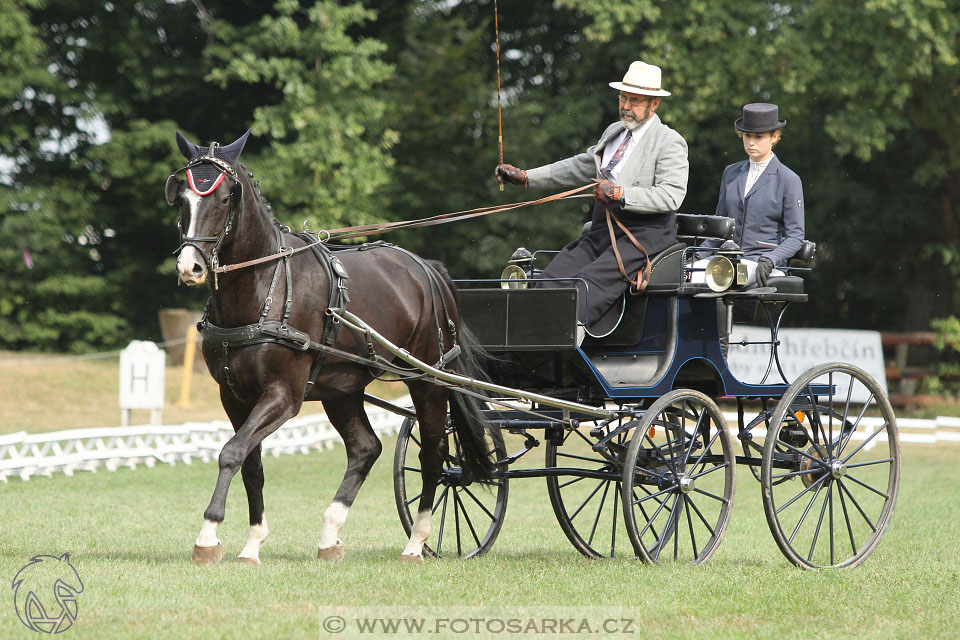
467, 516
848, 468
678, 483
588, 509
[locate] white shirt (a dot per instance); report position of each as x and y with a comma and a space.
756, 168
613, 145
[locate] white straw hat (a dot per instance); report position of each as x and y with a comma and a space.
641, 78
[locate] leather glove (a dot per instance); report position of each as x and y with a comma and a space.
607, 192
509, 173
764, 267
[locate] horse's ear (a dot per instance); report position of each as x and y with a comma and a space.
187, 148
172, 190
231, 152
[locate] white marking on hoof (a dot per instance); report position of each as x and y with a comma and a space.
334, 553
255, 538
333, 520
208, 534
418, 535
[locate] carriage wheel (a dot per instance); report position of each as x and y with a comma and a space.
467, 516
678, 479
847, 458
588, 507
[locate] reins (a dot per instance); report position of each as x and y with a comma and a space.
376, 229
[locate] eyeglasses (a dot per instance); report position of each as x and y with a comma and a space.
634, 102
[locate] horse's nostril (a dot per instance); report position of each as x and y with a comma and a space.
197, 269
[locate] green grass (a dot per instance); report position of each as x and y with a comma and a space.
130, 533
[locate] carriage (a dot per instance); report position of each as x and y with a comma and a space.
639, 459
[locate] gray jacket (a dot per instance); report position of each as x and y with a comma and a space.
654, 177
770, 217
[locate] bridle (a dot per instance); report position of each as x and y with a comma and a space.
226, 170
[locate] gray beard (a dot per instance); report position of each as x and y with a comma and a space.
630, 123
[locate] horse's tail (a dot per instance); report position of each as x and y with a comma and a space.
466, 411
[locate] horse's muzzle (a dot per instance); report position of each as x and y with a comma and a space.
191, 270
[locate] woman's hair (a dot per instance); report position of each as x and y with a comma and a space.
779, 133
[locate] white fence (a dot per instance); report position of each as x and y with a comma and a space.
24, 455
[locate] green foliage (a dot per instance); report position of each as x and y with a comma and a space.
387, 109
328, 157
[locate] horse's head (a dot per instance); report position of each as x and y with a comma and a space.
208, 197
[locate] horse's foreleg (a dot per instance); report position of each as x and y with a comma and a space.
252, 474
431, 406
363, 448
271, 411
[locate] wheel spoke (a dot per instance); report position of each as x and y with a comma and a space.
414, 469
467, 491
803, 453
443, 519
570, 482
863, 411
410, 501
804, 472
596, 521
867, 464
846, 516
710, 495
805, 512
584, 458
466, 518
587, 499
654, 495
710, 470
866, 440
816, 533
843, 487
805, 490
693, 536
693, 438
653, 517
866, 486
706, 448
702, 519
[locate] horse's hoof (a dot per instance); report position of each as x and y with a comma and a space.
332, 554
411, 559
244, 560
207, 555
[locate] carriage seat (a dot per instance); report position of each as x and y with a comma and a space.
789, 288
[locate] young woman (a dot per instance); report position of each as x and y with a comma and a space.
763, 196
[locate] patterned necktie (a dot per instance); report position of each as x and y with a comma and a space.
618, 155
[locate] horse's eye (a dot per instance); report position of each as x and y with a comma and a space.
225, 200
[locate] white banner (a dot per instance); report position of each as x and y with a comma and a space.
802, 349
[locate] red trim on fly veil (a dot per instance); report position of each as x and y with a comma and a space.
216, 183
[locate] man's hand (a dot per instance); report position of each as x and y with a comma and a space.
509, 173
764, 267
607, 192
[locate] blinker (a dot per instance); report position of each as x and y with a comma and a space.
172, 189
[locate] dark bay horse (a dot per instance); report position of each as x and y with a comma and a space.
263, 326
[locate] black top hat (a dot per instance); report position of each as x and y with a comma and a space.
759, 117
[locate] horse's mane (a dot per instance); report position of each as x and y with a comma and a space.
246, 176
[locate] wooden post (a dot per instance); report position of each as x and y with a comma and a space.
189, 353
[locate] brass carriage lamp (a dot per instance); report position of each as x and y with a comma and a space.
519, 268
724, 270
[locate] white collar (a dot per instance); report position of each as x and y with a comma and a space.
759, 167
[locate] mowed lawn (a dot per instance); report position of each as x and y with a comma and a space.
130, 533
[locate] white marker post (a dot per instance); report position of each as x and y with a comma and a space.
142, 373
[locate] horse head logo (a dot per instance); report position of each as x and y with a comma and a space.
45, 593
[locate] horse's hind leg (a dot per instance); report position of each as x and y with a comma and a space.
430, 402
252, 473
363, 448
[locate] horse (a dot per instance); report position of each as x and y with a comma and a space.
271, 342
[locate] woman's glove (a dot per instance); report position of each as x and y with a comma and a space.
764, 267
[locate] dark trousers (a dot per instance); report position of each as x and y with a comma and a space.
591, 262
